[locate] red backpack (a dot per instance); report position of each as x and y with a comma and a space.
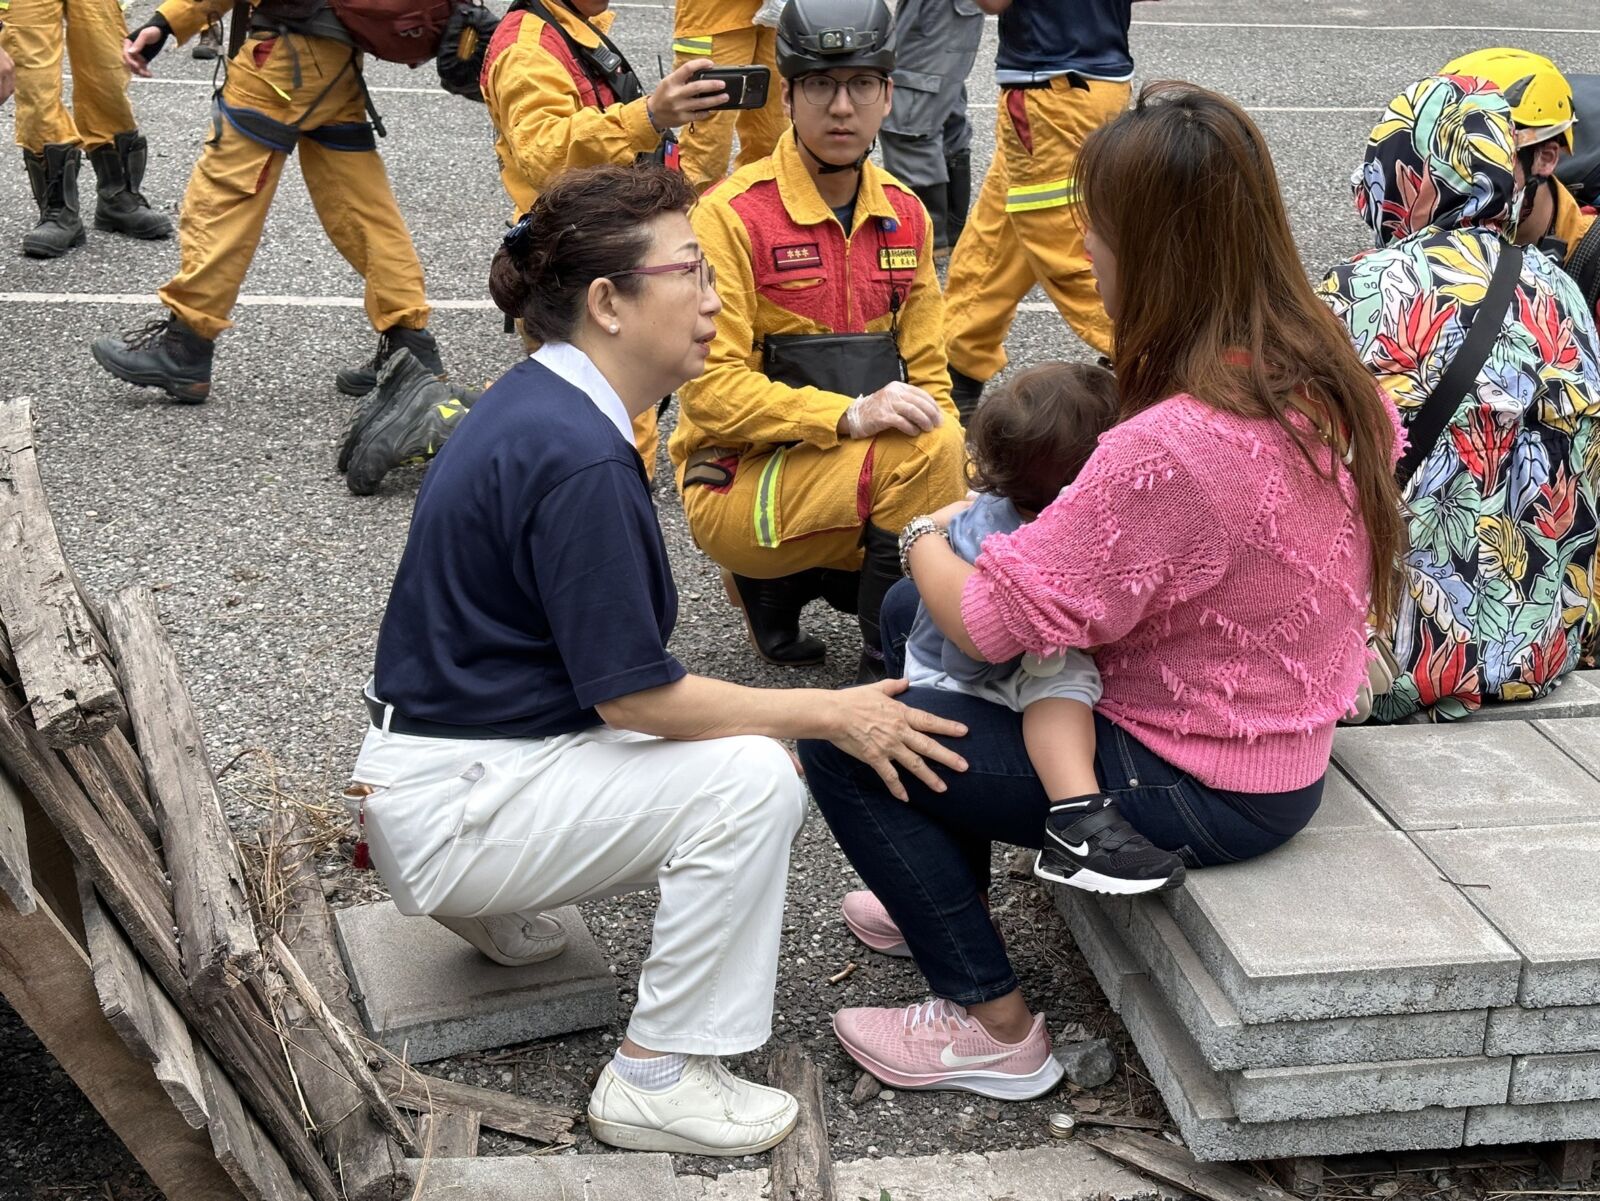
397, 31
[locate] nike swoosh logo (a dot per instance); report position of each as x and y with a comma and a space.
1079, 849
950, 1059
1072, 805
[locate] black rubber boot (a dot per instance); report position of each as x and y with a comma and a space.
880, 571
405, 419
933, 199
965, 393
164, 354
958, 192
358, 381
119, 205
53, 175
771, 611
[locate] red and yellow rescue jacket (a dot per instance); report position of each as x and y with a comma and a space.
548, 114
785, 266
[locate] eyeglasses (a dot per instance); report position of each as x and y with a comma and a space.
705, 274
862, 89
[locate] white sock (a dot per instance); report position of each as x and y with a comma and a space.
655, 1074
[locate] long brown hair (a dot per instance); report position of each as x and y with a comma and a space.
1213, 301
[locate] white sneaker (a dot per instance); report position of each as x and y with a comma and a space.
710, 1111
514, 939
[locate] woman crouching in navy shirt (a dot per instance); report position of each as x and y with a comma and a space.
533, 742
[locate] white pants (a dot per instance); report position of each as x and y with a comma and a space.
475, 828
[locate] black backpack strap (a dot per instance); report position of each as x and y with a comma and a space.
610, 68
1583, 264
1424, 430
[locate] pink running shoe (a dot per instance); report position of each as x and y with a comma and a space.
870, 922
935, 1045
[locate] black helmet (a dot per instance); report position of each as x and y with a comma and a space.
818, 35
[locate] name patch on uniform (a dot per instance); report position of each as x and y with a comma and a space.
792, 258
897, 258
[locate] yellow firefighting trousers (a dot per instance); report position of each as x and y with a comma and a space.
94, 32
703, 147
236, 177
1022, 230
804, 506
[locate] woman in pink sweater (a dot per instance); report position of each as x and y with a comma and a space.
1219, 553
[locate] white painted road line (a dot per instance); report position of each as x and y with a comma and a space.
304, 302
1355, 28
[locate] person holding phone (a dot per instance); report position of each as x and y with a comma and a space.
823, 420
561, 95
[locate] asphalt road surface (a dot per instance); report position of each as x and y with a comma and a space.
272, 577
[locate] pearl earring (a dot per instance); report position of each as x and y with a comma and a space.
615, 328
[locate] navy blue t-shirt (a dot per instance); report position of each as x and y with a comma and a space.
1041, 38
535, 583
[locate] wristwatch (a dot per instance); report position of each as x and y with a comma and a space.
916, 528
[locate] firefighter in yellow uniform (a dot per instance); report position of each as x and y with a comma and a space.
561, 95
100, 124
725, 32
294, 88
1060, 79
822, 423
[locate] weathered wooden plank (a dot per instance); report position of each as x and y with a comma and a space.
177, 1068
802, 1165
16, 874
370, 1165
118, 978
449, 1133
45, 976
209, 897
1174, 1165
241, 1147
90, 773
344, 1048
410, 1089
71, 690
121, 764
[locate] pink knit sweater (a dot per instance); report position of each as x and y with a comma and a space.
1223, 585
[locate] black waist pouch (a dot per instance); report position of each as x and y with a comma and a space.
849, 364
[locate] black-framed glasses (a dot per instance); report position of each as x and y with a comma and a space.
705, 274
862, 89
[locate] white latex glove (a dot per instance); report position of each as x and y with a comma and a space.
895, 406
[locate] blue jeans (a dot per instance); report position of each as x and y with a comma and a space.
928, 861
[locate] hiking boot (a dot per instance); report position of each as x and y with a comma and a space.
358, 381
935, 198
409, 416
1088, 844
512, 939
965, 393
937, 1045
119, 205
958, 192
164, 354
771, 610
53, 176
869, 921
880, 571
209, 44
709, 1111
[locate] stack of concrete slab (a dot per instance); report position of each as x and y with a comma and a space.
1418, 969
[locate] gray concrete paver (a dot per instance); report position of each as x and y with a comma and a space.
426, 993
1514, 1030
1540, 1079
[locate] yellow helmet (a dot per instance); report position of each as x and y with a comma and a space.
1540, 96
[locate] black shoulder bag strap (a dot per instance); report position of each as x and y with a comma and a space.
1424, 431
1584, 265
604, 63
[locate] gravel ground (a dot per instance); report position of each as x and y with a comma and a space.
272, 578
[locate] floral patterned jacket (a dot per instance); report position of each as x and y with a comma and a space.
1500, 575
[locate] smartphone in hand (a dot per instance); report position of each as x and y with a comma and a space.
747, 86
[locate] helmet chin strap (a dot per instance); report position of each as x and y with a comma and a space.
824, 167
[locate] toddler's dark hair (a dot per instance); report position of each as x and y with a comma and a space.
1031, 436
